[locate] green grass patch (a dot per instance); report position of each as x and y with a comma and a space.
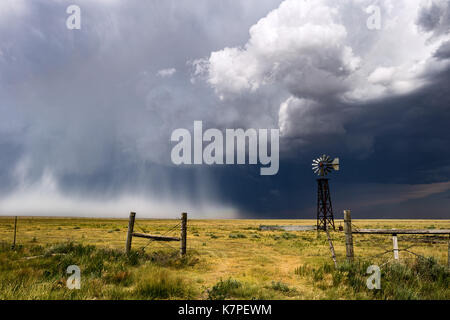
422, 279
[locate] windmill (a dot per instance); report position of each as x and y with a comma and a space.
322, 166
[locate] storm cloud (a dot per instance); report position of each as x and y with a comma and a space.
87, 115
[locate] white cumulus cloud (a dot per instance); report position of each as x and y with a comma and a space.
321, 54
166, 72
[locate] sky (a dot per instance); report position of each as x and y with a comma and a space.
86, 115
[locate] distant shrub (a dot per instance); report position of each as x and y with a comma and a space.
280, 286
223, 289
287, 236
212, 235
237, 236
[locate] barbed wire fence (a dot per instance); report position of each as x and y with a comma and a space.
419, 241
16, 231
416, 236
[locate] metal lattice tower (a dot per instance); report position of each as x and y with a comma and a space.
322, 166
324, 207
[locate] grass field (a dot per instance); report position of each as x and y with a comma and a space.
227, 259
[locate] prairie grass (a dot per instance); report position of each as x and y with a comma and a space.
38, 272
421, 278
227, 259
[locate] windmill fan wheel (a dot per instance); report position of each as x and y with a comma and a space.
322, 165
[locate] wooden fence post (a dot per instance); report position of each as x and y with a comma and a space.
15, 230
183, 237
348, 235
130, 232
395, 243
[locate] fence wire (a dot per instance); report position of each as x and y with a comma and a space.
418, 239
28, 228
160, 243
30, 233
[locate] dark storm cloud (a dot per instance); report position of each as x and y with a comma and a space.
408, 137
434, 17
443, 52
87, 112
86, 115
409, 151
382, 114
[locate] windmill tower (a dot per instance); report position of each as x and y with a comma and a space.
322, 166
